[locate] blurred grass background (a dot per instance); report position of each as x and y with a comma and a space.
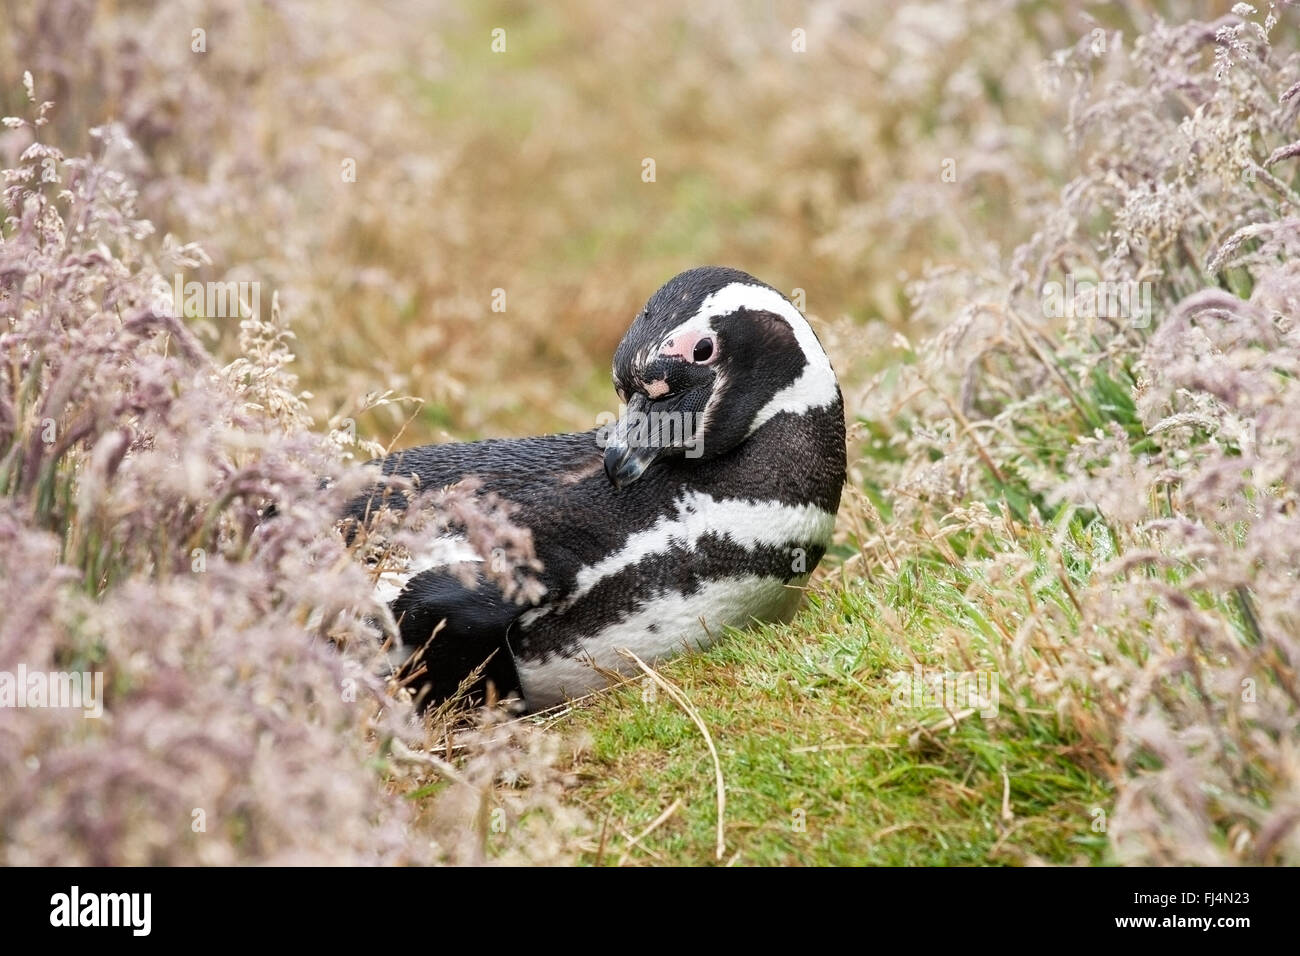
888, 159
818, 168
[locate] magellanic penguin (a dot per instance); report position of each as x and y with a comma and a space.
707, 503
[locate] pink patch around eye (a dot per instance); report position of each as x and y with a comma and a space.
683, 346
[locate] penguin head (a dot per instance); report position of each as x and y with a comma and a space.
712, 357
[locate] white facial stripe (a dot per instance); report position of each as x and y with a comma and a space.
816, 385
711, 406
747, 523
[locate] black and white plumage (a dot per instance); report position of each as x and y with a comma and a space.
649, 540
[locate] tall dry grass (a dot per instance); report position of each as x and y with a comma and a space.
1138, 551
522, 170
246, 713
920, 167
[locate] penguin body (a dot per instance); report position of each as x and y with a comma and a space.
706, 505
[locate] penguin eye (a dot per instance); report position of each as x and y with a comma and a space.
703, 350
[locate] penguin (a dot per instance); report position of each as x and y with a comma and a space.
706, 503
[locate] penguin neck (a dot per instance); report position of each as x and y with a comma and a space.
793, 458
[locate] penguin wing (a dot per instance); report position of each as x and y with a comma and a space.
451, 629
537, 475
516, 468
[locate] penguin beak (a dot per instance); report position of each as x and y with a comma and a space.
626, 461
625, 465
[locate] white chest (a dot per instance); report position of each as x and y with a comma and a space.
673, 625
676, 622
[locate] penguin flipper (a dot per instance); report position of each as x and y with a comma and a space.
475, 622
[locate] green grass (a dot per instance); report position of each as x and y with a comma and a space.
823, 766
806, 726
